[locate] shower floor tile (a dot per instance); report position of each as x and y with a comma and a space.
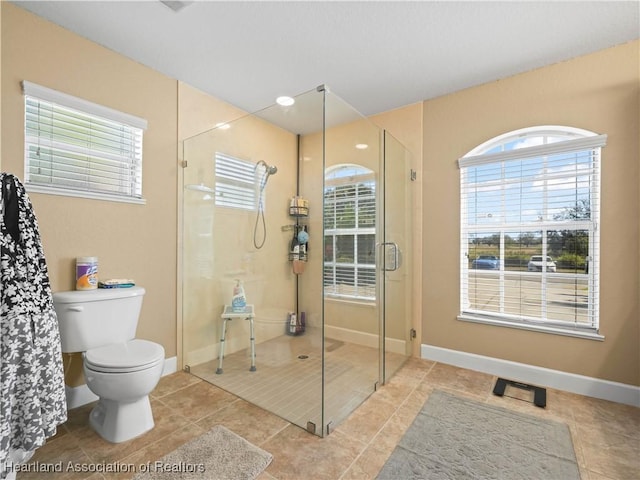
288, 377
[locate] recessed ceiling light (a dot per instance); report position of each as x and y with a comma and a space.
285, 101
362, 146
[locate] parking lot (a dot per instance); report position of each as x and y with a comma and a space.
564, 297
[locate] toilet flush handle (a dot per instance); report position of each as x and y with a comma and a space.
76, 308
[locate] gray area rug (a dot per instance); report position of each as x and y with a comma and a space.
457, 438
219, 454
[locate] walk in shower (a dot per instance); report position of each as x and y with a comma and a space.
309, 206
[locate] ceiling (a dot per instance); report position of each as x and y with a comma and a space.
375, 55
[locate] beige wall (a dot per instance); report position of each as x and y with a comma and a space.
597, 92
135, 241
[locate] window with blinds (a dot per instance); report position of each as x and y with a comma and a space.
349, 229
529, 244
236, 185
78, 148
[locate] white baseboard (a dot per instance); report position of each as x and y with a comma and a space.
78, 396
569, 382
364, 339
170, 366
81, 395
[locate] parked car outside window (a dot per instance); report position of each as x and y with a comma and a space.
486, 262
535, 264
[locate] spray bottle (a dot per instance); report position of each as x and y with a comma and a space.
239, 300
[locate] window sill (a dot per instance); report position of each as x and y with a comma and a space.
555, 330
82, 194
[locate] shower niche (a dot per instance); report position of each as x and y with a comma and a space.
319, 173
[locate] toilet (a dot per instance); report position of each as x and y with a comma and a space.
120, 369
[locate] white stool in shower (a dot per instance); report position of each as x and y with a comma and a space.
229, 314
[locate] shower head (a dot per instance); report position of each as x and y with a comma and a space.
271, 169
268, 169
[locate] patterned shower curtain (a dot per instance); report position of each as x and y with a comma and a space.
32, 393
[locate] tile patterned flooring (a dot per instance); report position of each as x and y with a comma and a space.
606, 435
289, 376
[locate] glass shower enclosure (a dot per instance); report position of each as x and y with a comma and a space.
308, 208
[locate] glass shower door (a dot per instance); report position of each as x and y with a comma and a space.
351, 208
395, 260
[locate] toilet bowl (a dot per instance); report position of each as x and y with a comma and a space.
123, 376
120, 369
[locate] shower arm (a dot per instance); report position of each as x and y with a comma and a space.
261, 162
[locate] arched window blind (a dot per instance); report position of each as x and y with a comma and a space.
530, 209
78, 148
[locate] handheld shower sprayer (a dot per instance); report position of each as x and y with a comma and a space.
268, 171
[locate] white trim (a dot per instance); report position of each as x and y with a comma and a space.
539, 131
170, 366
365, 339
535, 327
50, 95
81, 395
350, 300
545, 377
586, 143
68, 192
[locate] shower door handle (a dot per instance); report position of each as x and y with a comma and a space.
391, 256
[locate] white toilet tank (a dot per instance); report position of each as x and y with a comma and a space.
94, 318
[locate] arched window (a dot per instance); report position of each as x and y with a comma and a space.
530, 206
349, 232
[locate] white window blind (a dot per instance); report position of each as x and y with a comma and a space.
530, 231
78, 148
349, 224
236, 185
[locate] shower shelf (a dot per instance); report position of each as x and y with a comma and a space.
299, 211
299, 207
298, 256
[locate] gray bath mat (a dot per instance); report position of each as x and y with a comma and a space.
457, 438
219, 454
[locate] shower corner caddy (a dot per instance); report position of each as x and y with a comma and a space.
298, 208
298, 256
299, 211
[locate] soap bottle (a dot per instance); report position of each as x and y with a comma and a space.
295, 247
292, 323
238, 301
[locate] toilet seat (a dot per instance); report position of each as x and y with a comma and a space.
132, 356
